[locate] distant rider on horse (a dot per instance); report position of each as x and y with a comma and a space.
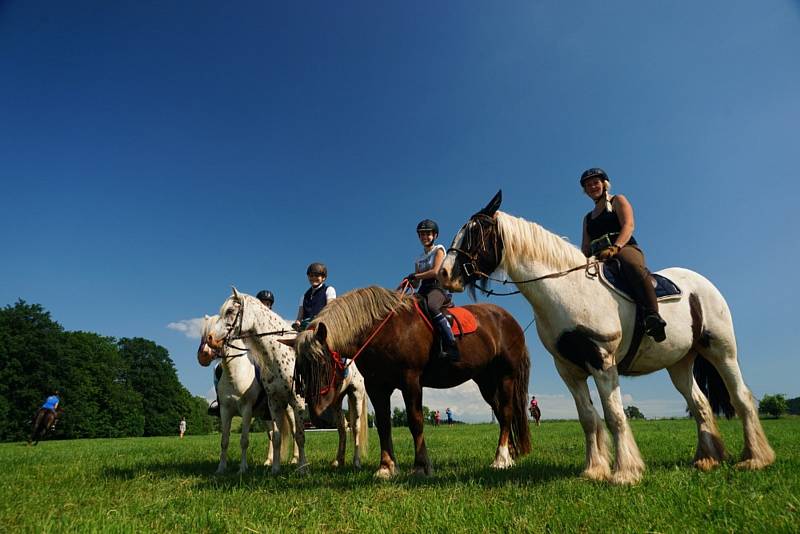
426, 267
608, 233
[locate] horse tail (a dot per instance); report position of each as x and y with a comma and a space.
520, 429
713, 387
286, 430
363, 428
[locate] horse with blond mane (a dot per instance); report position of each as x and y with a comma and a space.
589, 329
381, 332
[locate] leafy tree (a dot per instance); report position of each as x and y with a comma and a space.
773, 405
152, 374
29, 341
632, 412
97, 400
399, 417
794, 406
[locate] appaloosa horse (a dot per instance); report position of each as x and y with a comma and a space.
395, 344
240, 393
588, 328
243, 319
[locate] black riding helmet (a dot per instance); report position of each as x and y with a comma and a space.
428, 225
594, 172
317, 268
265, 295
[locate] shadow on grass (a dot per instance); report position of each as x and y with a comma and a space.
325, 476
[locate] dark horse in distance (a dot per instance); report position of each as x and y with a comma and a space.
44, 420
395, 345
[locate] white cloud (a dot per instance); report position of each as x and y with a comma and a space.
191, 328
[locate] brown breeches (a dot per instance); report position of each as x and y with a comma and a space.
631, 260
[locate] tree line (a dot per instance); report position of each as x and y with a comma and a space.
108, 387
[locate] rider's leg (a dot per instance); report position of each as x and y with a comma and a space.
213, 408
436, 300
633, 268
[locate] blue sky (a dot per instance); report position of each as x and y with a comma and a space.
152, 154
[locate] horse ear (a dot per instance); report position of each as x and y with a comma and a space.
321, 332
493, 205
235, 293
288, 341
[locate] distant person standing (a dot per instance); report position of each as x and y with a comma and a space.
437, 418
449, 413
182, 426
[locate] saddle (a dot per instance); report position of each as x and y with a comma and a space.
611, 276
462, 321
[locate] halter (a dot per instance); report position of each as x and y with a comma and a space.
475, 271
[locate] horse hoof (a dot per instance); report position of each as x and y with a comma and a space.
752, 463
625, 479
600, 474
502, 464
706, 464
384, 473
422, 471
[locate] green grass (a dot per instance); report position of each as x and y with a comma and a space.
165, 484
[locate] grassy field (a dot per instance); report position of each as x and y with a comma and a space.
166, 484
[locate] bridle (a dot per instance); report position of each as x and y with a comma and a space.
470, 268
234, 331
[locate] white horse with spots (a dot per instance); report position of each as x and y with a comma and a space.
589, 328
240, 393
243, 319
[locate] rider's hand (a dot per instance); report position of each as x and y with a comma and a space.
296, 326
411, 277
607, 253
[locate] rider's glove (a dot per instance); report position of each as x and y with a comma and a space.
607, 253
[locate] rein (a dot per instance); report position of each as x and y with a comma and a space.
587, 267
337, 358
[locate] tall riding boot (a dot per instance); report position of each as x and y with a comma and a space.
449, 347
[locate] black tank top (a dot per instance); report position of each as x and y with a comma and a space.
605, 223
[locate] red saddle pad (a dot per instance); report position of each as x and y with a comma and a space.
465, 320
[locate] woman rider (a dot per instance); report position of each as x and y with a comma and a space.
426, 267
608, 233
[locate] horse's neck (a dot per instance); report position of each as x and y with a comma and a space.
553, 255
266, 348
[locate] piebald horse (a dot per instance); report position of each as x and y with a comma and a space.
243, 319
588, 330
240, 393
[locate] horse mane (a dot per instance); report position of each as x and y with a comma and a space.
525, 240
350, 317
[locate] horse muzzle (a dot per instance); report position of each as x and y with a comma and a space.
206, 354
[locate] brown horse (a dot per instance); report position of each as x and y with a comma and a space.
396, 353
44, 420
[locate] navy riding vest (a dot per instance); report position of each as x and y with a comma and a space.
313, 301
